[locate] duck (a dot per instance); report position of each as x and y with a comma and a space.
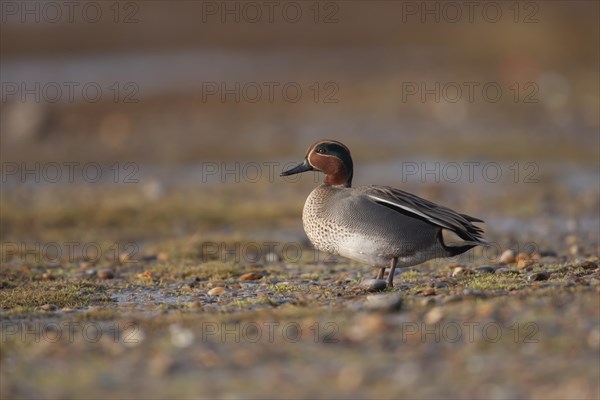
377, 225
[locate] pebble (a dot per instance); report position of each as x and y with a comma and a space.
488, 269
181, 337
460, 271
261, 294
429, 292
434, 315
145, 275
216, 291
251, 276
373, 285
48, 277
524, 263
213, 284
538, 276
366, 325
105, 274
428, 302
48, 307
507, 257
384, 302
588, 265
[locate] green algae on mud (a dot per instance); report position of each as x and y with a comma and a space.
32, 296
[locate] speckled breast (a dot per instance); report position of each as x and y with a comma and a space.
320, 225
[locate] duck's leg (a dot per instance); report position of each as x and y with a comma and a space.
380, 273
390, 279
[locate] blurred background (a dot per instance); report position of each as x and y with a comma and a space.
166, 98
164, 125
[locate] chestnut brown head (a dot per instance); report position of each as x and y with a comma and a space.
330, 157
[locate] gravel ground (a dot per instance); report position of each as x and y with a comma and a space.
172, 325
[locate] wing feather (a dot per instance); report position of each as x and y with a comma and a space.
441, 216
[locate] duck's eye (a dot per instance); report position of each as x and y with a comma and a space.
321, 151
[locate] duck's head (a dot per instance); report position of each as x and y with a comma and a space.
330, 157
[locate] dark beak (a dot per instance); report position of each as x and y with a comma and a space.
298, 169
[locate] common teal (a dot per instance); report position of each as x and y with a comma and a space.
377, 225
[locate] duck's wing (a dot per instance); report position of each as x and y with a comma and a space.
417, 207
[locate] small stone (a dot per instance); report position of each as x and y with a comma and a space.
48, 307
429, 292
105, 274
216, 291
214, 284
538, 276
428, 302
587, 265
261, 294
365, 325
507, 257
373, 285
146, 275
434, 315
383, 302
524, 263
181, 337
460, 271
486, 269
251, 276
48, 276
